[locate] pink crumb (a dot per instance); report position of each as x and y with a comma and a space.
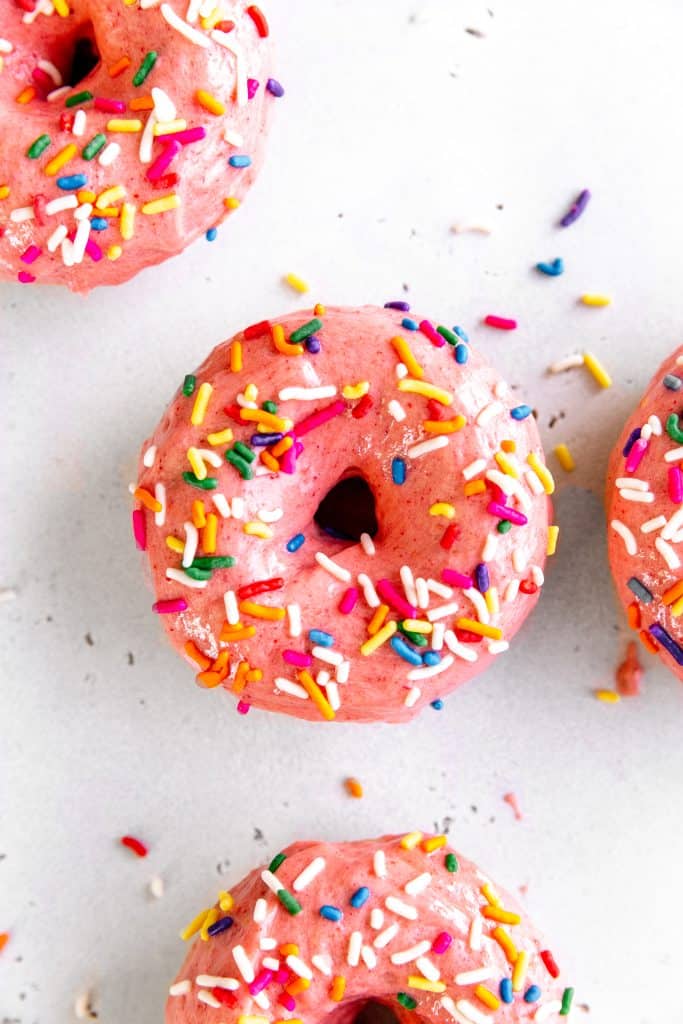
511, 799
629, 673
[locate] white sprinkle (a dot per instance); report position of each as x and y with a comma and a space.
269, 515
328, 656
489, 550
83, 211
178, 576
217, 981
156, 887
241, 959
570, 363
673, 455
149, 456
181, 26
287, 686
307, 394
147, 139
438, 635
310, 872
180, 988
367, 544
645, 432
548, 1009
322, 963
58, 94
488, 413
260, 910
294, 619
332, 693
60, 204
474, 977
271, 880
646, 497
353, 953
497, 646
401, 371
426, 967
22, 213
533, 482
67, 253
342, 672
655, 425
376, 918
460, 650
385, 937
221, 504
109, 154
519, 560
537, 575
500, 390
193, 11
667, 553
471, 1013
191, 543
160, 495
267, 943
653, 524
204, 996
369, 593
332, 567
425, 447
81, 240
511, 591
673, 525
245, 403
232, 137
232, 613
509, 485
443, 610
379, 864
397, 906
237, 508
396, 410
369, 957
412, 697
422, 593
5, 46
57, 237
418, 884
449, 1006
271, 963
476, 931
633, 482
408, 580
213, 458
164, 107
440, 589
262, 1000
479, 602
429, 671
241, 94
474, 469
80, 122
297, 965
406, 956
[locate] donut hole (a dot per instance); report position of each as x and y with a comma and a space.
83, 56
364, 1011
348, 509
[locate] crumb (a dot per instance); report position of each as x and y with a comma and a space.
259, 836
223, 866
89, 640
476, 32
156, 887
131, 658
629, 673
83, 1007
511, 799
7, 594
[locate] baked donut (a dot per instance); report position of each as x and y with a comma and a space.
645, 515
129, 129
345, 514
328, 929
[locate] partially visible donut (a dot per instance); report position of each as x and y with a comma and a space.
266, 603
330, 929
129, 129
645, 515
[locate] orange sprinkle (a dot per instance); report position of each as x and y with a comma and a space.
209, 534
444, 426
338, 988
297, 986
236, 360
209, 102
474, 487
486, 996
4, 191
63, 157
633, 615
119, 66
230, 203
147, 499
671, 595
494, 913
508, 446
505, 943
254, 675
354, 788
192, 651
27, 94
377, 620
282, 346
289, 949
240, 680
85, 195
319, 309
648, 642
231, 634
198, 514
433, 843
282, 446
4, 939
209, 679
316, 694
141, 103
272, 464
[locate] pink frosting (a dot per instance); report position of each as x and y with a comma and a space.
419, 921
645, 514
356, 348
205, 178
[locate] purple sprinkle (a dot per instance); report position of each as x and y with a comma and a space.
220, 926
312, 344
633, 437
263, 440
252, 87
668, 642
481, 576
404, 307
576, 209
274, 87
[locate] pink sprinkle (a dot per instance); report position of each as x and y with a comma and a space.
430, 332
139, 529
442, 942
502, 323
31, 254
25, 278
387, 591
288, 461
262, 979
110, 106
42, 79
348, 601
505, 512
457, 579
511, 799
93, 250
252, 87
243, 708
164, 160
187, 136
283, 976
675, 484
284, 999
176, 604
317, 419
297, 658
636, 454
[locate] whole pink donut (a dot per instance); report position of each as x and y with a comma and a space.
329, 928
129, 129
645, 515
407, 579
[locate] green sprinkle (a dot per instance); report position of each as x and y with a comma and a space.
189, 384
301, 333
269, 407
244, 450
419, 639
196, 573
406, 1000
38, 147
240, 464
567, 997
214, 562
504, 526
450, 337
208, 484
289, 902
276, 862
451, 862
78, 98
148, 63
94, 146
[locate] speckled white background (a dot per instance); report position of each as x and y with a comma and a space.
397, 124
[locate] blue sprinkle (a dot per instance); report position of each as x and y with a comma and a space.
481, 577
532, 994
211, 234
437, 704
70, 181
331, 913
666, 640
431, 658
505, 990
99, 223
240, 161
461, 353
220, 926
318, 636
274, 87
312, 345
553, 268
263, 440
405, 651
360, 897
404, 307
672, 382
410, 325
398, 471
520, 412
295, 543
461, 332
640, 590
632, 438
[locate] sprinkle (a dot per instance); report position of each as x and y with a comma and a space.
360, 897
553, 268
501, 323
338, 988
310, 872
259, 20
532, 994
426, 447
354, 948
331, 913
542, 472
163, 205
180, 988
576, 209
38, 147
275, 89
420, 387
519, 970
194, 926
316, 695
379, 864
201, 403
406, 1001
145, 68
505, 989
595, 300
567, 997
451, 862
424, 985
597, 370
667, 641
353, 788
565, 457
170, 607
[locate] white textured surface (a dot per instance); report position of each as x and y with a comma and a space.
405, 124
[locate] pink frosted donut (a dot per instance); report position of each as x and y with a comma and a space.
330, 928
645, 515
129, 129
340, 517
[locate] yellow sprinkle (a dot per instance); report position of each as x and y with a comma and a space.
356, 390
58, 161
197, 463
565, 457
193, 927
380, 637
500, 914
62, 8
262, 611
442, 508
255, 529
411, 840
163, 205
220, 437
114, 252
596, 300
519, 971
673, 593
491, 598
297, 283
417, 625
86, 195
315, 693
147, 499
168, 127
209, 102
490, 895
474, 487
553, 534
542, 472
375, 623
26, 95
200, 404
4, 191
506, 465
677, 608
608, 696
598, 371
405, 354
110, 196
236, 360
444, 426
433, 843
127, 125
505, 943
210, 919
480, 628
209, 534
424, 985
198, 513
319, 309
486, 996
250, 1018
419, 387
289, 949
282, 446
338, 988
251, 392
230, 203
280, 424
283, 346
225, 901
110, 211
175, 544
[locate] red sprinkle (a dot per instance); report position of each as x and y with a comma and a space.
66, 121
549, 961
284, 999
259, 19
466, 637
436, 410
138, 847
233, 411
256, 330
363, 408
501, 323
260, 587
528, 587
225, 997
450, 535
225, 26
166, 181
39, 203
